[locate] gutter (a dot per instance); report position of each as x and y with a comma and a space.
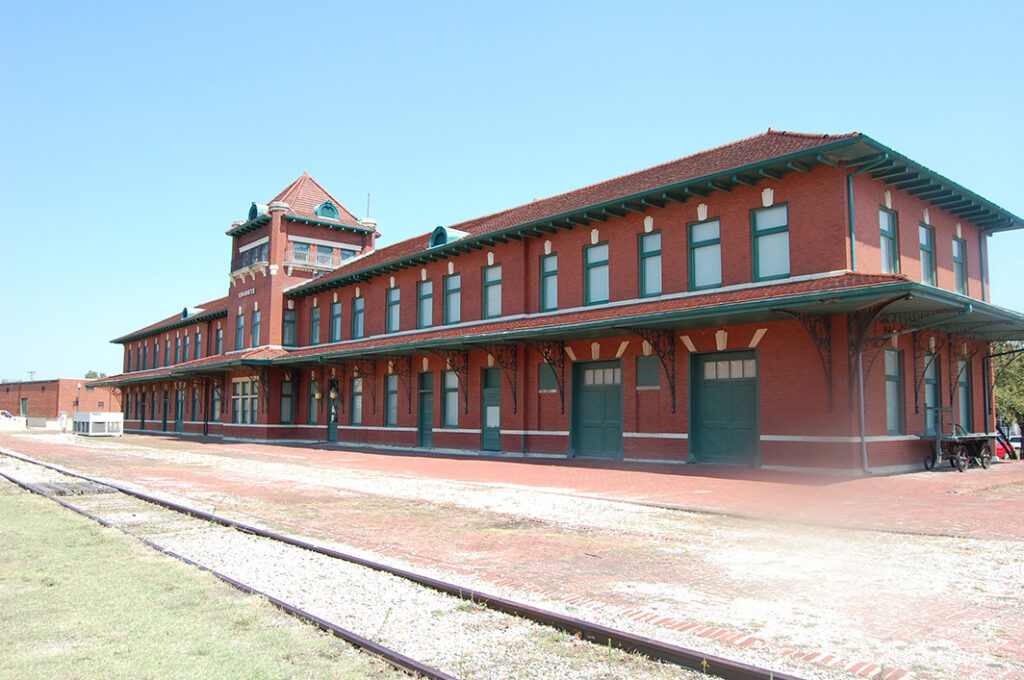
849, 204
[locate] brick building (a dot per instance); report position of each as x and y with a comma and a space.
787, 301
47, 399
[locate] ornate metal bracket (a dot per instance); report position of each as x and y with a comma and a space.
663, 343
920, 346
402, 367
507, 357
368, 369
859, 322
553, 354
819, 327
458, 361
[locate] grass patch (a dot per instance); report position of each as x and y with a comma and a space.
80, 601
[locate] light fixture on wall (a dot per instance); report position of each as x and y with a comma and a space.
333, 393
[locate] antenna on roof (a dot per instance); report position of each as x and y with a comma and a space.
367, 203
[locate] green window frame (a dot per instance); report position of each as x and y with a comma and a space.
393, 310
491, 291
425, 304
770, 230
314, 325
926, 239
287, 402
128, 360
240, 331
894, 410
888, 230
167, 352
312, 403
546, 380
184, 346
335, 332
649, 248
965, 411
452, 299
356, 408
549, 282
596, 288
450, 400
705, 254
177, 350
288, 327
960, 265
391, 400
648, 371
195, 404
216, 406
219, 345
932, 396
256, 315
145, 358
199, 345
358, 315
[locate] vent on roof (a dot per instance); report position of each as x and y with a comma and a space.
256, 210
443, 235
328, 210
190, 311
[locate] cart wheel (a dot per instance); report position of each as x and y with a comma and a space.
952, 461
929, 460
960, 457
985, 456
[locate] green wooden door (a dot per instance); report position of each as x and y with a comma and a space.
179, 411
490, 415
163, 422
597, 409
332, 411
724, 423
426, 410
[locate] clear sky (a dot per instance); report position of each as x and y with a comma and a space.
133, 134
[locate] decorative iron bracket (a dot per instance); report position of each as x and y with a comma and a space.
663, 343
458, 361
553, 354
919, 346
402, 367
507, 357
859, 322
819, 327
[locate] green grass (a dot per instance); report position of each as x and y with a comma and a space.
81, 602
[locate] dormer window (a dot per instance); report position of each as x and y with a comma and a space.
328, 210
255, 210
443, 235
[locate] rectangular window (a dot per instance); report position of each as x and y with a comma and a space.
215, 408
595, 276
145, 357
184, 347
199, 345
219, 345
963, 395
648, 371
300, 252
546, 381
335, 322
890, 244
167, 352
771, 242
931, 394
287, 404
356, 411
195, 404
927, 239
391, 400
240, 331
357, 317
705, 254
256, 328
314, 326
177, 350
152, 407
325, 256
453, 298
244, 401
288, 331
313, 405
424, 304
549, 283
393, 315
894, 391
128, 363
960, 265
492, 291
450, 400
650, 264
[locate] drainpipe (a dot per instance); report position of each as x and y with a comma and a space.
860, 416
849, 205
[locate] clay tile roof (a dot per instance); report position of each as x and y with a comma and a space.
213, 307
305, 194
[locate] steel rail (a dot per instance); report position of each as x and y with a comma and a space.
727, 669
390, 656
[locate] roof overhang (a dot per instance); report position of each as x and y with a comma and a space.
170, 326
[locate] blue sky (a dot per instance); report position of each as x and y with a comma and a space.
133, 134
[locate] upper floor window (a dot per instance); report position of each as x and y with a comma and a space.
219, 344
890, 244
288, 331
177, 350
771, 242
358, 307
300, 251
128, 364
314, 326
393, 316
705, 254
960, 265
453, 298
549, 283
240, 331
184, 347
927, 240
650, 264
335, 322
145, 358
595, 276
199, 345
424, 304
167, 352
256, 328
492, 291
327, 209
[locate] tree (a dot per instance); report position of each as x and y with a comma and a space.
94, 374
1008, 373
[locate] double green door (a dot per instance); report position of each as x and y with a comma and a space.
724, 425
597, 409
425, 425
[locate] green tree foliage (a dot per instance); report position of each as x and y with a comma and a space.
1008, 371
94, 374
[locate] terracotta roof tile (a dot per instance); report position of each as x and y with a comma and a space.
305, 194
213, 306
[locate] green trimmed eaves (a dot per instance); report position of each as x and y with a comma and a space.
251, 225
187, 321
329, 225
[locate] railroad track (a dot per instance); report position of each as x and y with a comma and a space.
87, 490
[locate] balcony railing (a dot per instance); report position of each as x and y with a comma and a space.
311, 257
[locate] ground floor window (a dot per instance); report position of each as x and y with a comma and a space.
356, 409
244, 398
391, 400
215, 416
893, 391
963, 394
450, 403
314, 403
931, 394
287, 409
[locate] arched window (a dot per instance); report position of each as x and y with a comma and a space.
328, 210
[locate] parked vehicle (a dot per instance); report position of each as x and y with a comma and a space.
1002, 453
1016, 441
7, 415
